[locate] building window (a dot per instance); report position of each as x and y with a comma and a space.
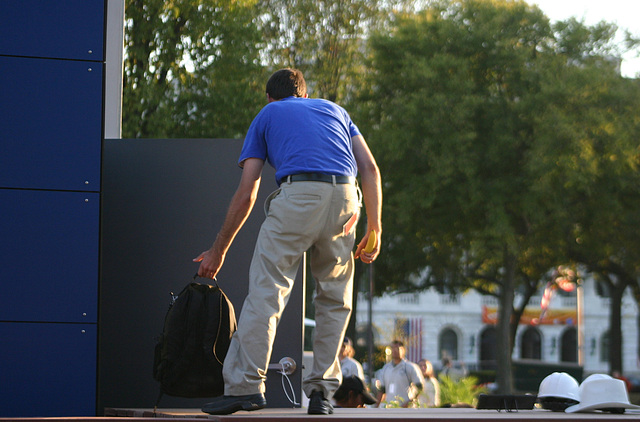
448, 340
488, 348
604, 347
531, 344
569, 345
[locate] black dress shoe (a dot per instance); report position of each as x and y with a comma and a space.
226, 405
318, 405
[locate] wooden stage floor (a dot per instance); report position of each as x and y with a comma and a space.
341, 415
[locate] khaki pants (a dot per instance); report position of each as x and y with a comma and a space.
301, 216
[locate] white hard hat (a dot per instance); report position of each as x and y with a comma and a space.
559, 384
558, 391
598, 377
602, 393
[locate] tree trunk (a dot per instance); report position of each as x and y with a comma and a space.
504, 341
531, 290
617, 288
615, 329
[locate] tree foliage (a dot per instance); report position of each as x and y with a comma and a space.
476, 116
604, 191
191, 68
591, 162
324, 38
197, 68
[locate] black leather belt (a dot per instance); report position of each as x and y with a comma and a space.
318, 177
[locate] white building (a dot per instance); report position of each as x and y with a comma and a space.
461, 327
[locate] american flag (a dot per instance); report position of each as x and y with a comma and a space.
410, 332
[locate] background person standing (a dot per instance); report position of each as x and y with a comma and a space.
430, 395
399, 379
348, 364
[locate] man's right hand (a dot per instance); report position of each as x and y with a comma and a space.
210, 264
368, 257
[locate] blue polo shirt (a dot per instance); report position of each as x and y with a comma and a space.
302, 135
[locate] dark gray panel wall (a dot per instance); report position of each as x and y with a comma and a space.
163, 203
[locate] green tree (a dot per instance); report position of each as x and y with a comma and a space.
590, 159
191, 68
458, 116
451, 100
601, 179
323, 38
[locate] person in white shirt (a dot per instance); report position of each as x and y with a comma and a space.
430, 395
399, 379
348, 364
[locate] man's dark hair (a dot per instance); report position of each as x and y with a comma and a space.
286, 83
397, 343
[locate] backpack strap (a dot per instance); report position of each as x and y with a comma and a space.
215, 280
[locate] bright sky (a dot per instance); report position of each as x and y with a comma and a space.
624, 13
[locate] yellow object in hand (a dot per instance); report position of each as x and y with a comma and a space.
371, 242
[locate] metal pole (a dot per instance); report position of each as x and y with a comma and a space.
580, 310
370, 326
114, 53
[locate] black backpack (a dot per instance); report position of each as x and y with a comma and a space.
195, 340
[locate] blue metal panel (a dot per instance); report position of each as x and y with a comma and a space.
70, 29
47, 370
49, 256
51, 120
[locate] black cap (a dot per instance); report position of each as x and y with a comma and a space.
354, 383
